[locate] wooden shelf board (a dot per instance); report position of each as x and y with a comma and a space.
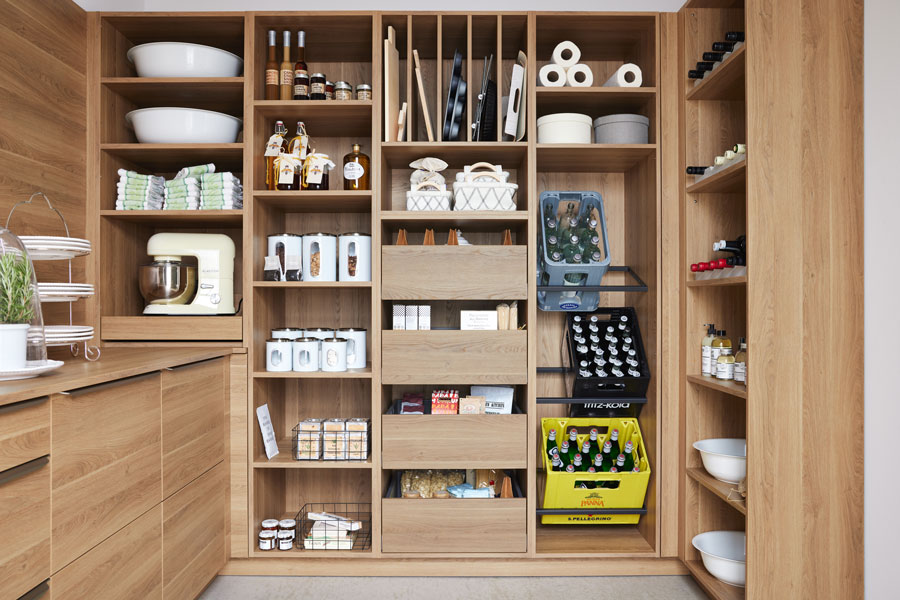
284, 460
724, 281
457, 154
349, 374
730, 180
712, 586
485, 220
172, 328
581, 541
726, 387
331, 201
172, 157
312, 284
726, 82
714, 4
719, 488
591, 158
593, 100
175, 217
336, 118
215, 93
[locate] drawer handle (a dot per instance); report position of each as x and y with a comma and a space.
192, 364
103, 386
24, 469
23, 404
37, 591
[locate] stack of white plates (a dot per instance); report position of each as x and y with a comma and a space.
64, 292
63, 335
48, 247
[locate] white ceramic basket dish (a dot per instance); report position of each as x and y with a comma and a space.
173, 125
181, 59
724, 458
724, 554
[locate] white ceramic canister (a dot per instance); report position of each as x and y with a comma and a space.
564, 128
320, 334
334, 354
355, 257
319, 257
279, 355
356, 346
287, 333
288, 247
306, 354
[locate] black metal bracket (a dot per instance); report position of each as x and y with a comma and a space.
640, 286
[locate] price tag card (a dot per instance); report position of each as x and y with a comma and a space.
268, 432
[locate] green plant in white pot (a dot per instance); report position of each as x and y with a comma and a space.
16, 309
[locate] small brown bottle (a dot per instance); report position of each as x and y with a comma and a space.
356, 170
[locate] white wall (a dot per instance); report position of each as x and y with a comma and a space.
189, 5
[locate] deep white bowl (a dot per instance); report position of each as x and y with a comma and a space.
724, 458
171, 125
181, 59
724, 555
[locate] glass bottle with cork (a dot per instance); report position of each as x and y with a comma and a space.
356, 170
275, 146
298, 148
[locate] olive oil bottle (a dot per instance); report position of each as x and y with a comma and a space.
721, 342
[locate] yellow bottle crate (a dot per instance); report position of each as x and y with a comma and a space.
563, 490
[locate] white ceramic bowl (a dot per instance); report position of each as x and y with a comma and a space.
724, 458
180, 59
171, 125
724, 555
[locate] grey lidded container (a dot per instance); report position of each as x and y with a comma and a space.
621, 129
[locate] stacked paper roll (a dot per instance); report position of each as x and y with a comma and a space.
552, 76
564, 68
628, 75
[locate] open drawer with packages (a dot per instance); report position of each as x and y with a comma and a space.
331, 439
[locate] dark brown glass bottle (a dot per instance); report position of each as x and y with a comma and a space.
356, 170
301, 74
272, 74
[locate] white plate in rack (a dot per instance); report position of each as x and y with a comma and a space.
55, 248
67, 331
31, 371
64, 292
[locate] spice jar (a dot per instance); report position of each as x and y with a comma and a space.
342, 90
317, 86
267, 539
329, 90
285, 540
364, 91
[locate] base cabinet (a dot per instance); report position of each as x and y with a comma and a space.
24, 527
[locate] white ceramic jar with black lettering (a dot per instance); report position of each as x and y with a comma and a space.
279, 355
355, 257
356, 346
306, 354
334, 355
319, 257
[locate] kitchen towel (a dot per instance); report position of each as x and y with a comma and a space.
196, 170
579, 75
628, 75
552, 75
566, 54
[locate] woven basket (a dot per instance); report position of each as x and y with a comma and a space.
420, 198
484, 190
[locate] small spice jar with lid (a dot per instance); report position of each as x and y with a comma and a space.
285, 540
342, 91
364, 91
267, 540
317, 86
329, 90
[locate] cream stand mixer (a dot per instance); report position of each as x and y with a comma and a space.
173, 288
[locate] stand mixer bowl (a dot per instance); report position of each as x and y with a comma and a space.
167, 282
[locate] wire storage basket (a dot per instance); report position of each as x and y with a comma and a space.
335, 526
348, 445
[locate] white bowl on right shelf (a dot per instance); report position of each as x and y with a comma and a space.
724, 458
724, 554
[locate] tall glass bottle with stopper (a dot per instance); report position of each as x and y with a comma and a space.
356, 170
276, 145
297, 148
272, 74
286, 87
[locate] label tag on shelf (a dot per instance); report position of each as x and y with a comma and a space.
273, 146
268, 432
299, 149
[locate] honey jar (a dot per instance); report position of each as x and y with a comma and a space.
266, 540
317, 86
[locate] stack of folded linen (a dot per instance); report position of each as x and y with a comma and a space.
220, 191
196, 171
183, 194
139, 192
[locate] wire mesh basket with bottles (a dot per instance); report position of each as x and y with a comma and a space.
335, 526
574, 249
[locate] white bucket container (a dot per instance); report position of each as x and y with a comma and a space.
13, 346
306, 354
319, 257
621, 129
279, 355
356, 346
564, 128
355, 257
287, 333
320, 334
334, 355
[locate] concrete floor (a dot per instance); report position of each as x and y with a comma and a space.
453, 588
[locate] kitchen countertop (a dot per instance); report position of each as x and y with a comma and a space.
114, 363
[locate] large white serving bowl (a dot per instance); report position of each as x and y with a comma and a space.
724, 555
724, 458
181, 59
171, 125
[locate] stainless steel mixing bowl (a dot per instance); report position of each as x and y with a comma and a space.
167, 282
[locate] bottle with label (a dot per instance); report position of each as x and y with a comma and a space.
740, 363
271, 69
276, 145
551, 440
706, 351
315, 171
297, 148
286, 87
301, 75
721, 342
317, 86
356, 170
725, 365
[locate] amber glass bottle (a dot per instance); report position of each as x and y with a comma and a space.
278, 146
272, 74
356, 170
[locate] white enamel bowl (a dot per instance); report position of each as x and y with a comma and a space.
171, 125
180, 59
724, 555
724, 458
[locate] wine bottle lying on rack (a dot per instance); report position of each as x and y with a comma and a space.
705, 66
735, 36
697, 170
723, 46
713, 56
695, 74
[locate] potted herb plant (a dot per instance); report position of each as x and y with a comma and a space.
16, 309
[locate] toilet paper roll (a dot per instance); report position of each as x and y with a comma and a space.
628, 75
552, 76
566, 54
579, 76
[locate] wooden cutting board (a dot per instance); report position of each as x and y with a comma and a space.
391, 86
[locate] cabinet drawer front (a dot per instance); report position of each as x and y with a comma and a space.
24, 527
454, 525
454, 357
24, 431
454, 272
193, 422
194, 534
127, 565
106, 467
454, 441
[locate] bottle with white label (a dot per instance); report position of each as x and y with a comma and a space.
356, 170
706, 364
740, 363
721, 342
725, 365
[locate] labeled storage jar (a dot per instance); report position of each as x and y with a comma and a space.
329, 90
364, 91
564, 128
343, 91
355, 257
279, 355
319, 257
334, 355
287, 247
317, 86
356, 346
267, 540
285, 540
306, 354
621, 129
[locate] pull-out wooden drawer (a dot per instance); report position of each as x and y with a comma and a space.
106, 462
454, 525
24, 527
127, 565
193, 421
454, 357
24, 431
454, 272
194, 535
454, 441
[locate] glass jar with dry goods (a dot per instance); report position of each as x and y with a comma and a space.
364, 91
342, 91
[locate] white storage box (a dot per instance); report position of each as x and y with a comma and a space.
428, 195
621, 129
484, 189
564, 128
